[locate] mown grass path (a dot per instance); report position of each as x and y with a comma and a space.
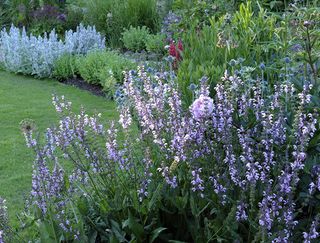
24, 97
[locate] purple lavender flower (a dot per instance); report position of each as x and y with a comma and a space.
241, 214
219, 189
28, 127
170, 180
147, 174
197, 182
313, 233
125, 118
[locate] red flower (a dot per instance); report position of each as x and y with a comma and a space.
175, 51
180, 46
172, 49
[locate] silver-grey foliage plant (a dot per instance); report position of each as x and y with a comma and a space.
29, 54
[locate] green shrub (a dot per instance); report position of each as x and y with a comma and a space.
111, 18
246, 35
134, 39
103, 68
155, 43
89, 66
65, 67
38, 17
142, 13
75, 15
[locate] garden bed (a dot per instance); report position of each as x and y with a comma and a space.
83, 85
200, 121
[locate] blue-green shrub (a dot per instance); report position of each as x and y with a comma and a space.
28, 54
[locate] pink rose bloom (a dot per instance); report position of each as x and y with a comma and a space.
202, 107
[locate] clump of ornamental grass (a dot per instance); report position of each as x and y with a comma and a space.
237, 166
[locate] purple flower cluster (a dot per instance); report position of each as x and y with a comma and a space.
219, 189
147, 176
313, 233
197, 182
169, 25
48, 12
236, 150
202, 108
252, 153
315, 183
50, 190
241, 214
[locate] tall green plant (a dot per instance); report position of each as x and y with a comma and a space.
208, 50
112, 18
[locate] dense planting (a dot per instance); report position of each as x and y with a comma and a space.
240, 151
218, 132
25, 54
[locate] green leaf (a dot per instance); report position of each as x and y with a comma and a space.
156, 233
155, 197
93, 237
315, 140
176, 241
134, 226
193, 206
117, 231
204, 208
47, 233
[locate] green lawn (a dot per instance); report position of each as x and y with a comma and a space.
25, 97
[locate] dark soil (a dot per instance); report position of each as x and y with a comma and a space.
81, 84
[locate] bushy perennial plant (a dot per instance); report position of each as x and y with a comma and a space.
33, 55
134, 39
83, 40
233, 164
104, 68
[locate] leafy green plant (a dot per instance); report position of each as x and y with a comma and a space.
75, 15
305, 35
65, 67
143, 13
38, 17
89, 66
4, 14
245, 36
135, 39
111, 18
199, 12
103, 68
155, 43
